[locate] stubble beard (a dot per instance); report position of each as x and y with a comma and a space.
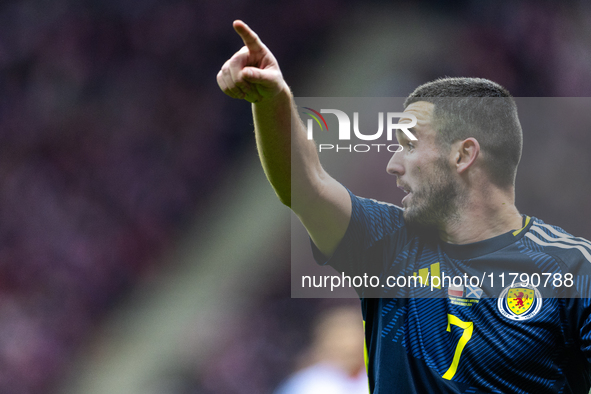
438, 201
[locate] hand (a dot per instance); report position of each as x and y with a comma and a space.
252, 73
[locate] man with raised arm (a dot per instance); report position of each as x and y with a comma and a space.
458, 220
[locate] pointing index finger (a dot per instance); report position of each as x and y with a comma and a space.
250, 38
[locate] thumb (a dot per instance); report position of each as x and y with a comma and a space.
268, 78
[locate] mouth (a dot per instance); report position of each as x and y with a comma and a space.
406, 189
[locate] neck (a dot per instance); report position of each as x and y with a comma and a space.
487, 213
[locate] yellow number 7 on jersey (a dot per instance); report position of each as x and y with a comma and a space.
467, 326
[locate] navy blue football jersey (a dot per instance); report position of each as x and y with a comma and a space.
503, 333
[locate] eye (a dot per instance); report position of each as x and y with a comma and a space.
410, 145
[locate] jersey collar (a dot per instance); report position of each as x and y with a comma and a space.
480, 248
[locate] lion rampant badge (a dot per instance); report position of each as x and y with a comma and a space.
520, 301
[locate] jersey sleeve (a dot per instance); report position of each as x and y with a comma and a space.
581, 289
575, 255
585, 327
373, 226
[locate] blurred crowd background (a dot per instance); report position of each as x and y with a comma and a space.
114, 138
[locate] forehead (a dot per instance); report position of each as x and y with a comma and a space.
423, 111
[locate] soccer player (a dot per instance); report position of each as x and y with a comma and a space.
458, 218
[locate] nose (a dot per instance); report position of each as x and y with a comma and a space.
395, 166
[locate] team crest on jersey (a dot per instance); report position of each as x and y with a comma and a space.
520, 301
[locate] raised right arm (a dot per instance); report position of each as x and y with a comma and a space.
289, 159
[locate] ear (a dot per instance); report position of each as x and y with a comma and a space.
466, 153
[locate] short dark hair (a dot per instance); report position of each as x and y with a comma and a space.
479, 108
